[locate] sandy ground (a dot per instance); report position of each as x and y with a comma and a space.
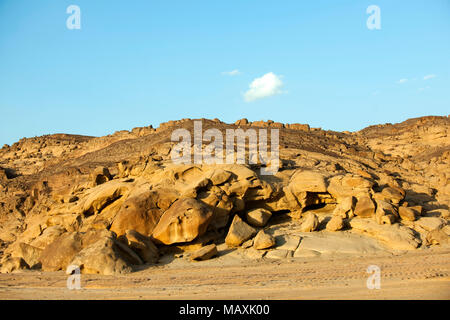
422, 274
325, 265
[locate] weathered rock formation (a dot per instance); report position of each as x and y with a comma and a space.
112, 203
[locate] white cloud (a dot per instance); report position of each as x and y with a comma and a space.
402, 80
268, 85
429, 76
232, 73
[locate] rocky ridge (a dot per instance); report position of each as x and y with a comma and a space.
113, 204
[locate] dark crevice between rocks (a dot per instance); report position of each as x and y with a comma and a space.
279, 217
10, 173
90, 211
314, 207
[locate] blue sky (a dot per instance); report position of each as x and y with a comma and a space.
136, 63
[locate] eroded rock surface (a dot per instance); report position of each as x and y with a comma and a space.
111, 203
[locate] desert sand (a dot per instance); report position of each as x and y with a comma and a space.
139, 226
413, 275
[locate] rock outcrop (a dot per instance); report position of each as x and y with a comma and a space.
111, 203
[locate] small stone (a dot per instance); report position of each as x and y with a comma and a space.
263, 240
205, 253
336, 223
345, 208
365, 207
276, 254
395, 195
310, 223
385, 209
258, 217
239, 232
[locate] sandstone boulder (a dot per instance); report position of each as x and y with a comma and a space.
365, 208
304, 187
103, 195
258, 217
13, 264
393, 236
349, 185
336, 223
102, 257
143, 246
138, 212
263, 240
311, 181
100, 175
58, 255
385, 213
30, 254
247, 244
385, 208
204, 253
185, 220
218, 176
407, 213
436, 237
299, 126
394, 194
220, 203
245, 184
310, 223
48, 236
430, 223
239, 232
241, 122
345, 207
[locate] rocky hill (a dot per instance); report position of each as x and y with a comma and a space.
117, 203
